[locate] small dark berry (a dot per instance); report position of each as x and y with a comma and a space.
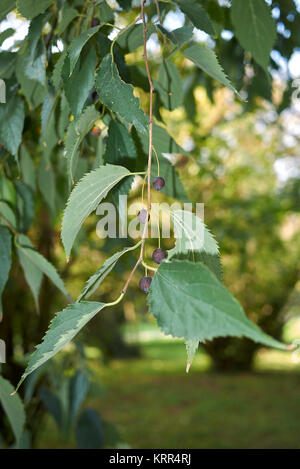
145, 283
95, 22
142, 216
158, 183
96, 131
159, 255
95, 96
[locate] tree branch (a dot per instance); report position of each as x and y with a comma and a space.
145, 231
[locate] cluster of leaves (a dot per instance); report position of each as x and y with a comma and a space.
62, 391
68, 77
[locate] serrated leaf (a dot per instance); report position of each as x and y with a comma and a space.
40, 262
32, 8
85, 197
197, 14
5, 7
13, 408
76, 132
63, 328
170, 85
255, 28
188, 301
11, 124
118, 96
191, 234
119, 144
194, 241
77, 45
68, 14
78, 85
5, 260
178, 36
206, 59
57, 71
97, 278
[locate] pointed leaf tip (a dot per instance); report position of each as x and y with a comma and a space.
188, 366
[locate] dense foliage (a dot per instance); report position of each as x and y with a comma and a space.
85, 117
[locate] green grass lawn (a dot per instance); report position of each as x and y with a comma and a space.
155, 404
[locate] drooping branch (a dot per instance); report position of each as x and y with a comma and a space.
150, 149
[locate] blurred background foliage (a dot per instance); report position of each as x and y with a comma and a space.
243, 164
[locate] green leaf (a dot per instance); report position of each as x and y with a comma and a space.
32, 8
25, 206
68, 14
178, 36
162, 141
85, 198
46, 181
27, 168
97, 278
8, 214
77, 45
255, 28
198, 16
78, 86
11, 124
41, 263
57, 71
119, 145
13, 408
89, 430
191, 234
191, 346
194, 241
76, 132
118, 96
5, 260
63, 328
79, 385
48, 109
32, 273
188, 301
5, 7
7, 64
5, 34
133, 38
170, 85
207, 60
33, 91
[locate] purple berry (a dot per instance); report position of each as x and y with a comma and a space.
158, 183
159, 255
142, 216
95, 22
95, 96
145, 283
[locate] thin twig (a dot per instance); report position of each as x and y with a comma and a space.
145, 231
